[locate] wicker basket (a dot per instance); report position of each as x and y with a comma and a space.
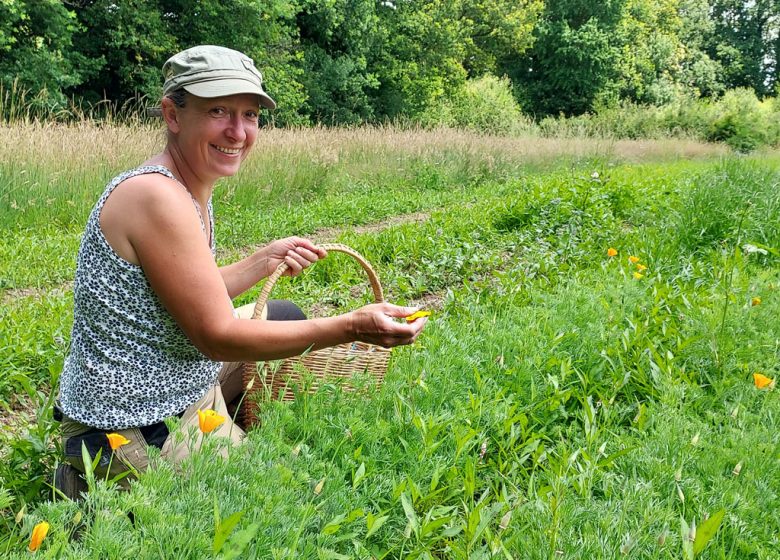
337, 364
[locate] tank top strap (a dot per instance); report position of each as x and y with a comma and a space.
162, 170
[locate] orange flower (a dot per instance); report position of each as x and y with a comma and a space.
116, 441
633, 259
638, 276
755, 301
762, 381
641, 267
611, 252
416, 315
38, 534
209, 420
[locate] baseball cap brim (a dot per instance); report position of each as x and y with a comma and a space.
229, 86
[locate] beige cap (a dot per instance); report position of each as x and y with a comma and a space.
212, 71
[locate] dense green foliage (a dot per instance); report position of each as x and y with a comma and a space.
556, 405
352, 61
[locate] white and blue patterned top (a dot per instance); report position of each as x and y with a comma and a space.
130, 364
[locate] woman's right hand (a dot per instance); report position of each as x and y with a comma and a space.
378, 324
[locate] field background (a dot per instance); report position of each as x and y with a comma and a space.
556, 406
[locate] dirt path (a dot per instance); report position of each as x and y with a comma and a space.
323, 235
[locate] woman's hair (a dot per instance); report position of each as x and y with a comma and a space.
179, 97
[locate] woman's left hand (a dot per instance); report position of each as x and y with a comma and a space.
297, 252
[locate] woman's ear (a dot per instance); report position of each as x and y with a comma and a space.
170, 114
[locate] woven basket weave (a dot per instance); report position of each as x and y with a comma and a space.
338, 364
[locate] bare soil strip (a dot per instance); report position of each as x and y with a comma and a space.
323, 235
49, 291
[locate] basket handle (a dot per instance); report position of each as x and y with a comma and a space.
262, 299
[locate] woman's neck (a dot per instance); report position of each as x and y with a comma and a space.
171, 158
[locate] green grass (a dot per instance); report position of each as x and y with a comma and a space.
555, 407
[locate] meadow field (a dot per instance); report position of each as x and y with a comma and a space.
585, 388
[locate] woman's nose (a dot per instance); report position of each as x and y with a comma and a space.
235, 129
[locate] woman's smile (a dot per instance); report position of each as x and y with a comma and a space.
227, 151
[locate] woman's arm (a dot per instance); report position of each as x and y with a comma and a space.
166, 236
297, 252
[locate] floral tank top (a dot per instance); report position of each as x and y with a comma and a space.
129, 364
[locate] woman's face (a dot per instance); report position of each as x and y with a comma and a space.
215, 135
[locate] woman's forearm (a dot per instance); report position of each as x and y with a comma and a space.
251, 340
242, 275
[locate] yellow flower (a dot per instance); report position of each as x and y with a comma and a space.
416, 315
38, 534
641, 267
116, 441
611, 252
633, 259
762, 381
755, 301
638, 276
209, 420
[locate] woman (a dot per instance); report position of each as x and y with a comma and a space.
153, 318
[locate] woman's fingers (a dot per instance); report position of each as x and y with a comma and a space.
299, 258
378, 324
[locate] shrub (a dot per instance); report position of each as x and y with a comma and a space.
487, 104
744, 122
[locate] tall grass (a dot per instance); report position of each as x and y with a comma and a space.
52, 173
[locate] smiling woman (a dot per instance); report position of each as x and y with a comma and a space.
153, 314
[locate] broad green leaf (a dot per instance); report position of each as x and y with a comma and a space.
431, 526
327, 554
687, 545
223, 530
360, 473
409, 511
374, 523
239, 541
707, 530
354, 514
333, 525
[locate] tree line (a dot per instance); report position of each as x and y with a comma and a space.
352, 61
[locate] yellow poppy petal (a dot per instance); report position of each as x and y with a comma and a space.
416, 315
38, 534
641, 267
761, 381
115, 441
638, 276
633, 259
755, 301
611, 252
209, 420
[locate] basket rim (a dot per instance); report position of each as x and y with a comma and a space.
373, 278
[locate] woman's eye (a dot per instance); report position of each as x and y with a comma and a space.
252, 115
217, 111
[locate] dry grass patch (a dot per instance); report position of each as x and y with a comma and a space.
90, 145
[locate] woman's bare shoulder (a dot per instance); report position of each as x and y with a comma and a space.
151, 188
148, 207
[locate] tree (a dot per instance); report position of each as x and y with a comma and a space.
128, 42
338, 37
35, 49
497, 30
418, 58
746, 42
699, 73
573, 59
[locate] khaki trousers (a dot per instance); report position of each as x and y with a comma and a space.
179, 444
